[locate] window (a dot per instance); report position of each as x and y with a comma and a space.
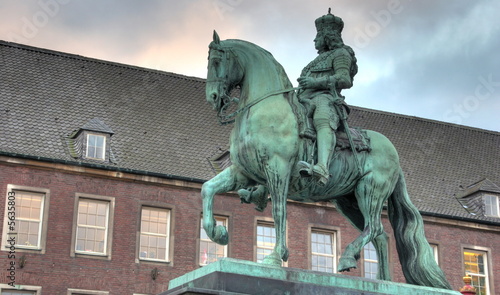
491, 206
323, 251
266, 238
211, 251
86, 292
96, 146
93, 226
435, 253
5, 289
29, 211
92, 141
475, 264
26, 214
370, 261
155, 229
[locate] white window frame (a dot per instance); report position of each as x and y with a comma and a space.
486, 274
108, 237
12, 191
166, 236
368, 247
105, 228
261, 246
332, 256
435, 251
37, 290
86, 292
103, 146
220, 220
491, 206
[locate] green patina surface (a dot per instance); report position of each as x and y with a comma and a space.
257, 270
271, 154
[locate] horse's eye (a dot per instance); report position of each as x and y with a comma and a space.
216, 61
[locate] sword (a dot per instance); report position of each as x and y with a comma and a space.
343, 119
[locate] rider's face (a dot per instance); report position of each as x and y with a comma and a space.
319, 43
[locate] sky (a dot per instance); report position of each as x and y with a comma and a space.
434, 59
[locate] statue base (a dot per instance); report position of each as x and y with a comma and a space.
237, 277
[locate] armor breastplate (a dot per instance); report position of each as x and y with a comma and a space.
322, 63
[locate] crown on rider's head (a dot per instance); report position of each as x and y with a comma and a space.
329, 22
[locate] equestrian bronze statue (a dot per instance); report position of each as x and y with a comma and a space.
293, 143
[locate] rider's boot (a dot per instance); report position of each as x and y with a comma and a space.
326, 146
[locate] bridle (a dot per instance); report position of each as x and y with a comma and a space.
227, 53
220, 54
227, 119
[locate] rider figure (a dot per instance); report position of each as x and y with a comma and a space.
322, 81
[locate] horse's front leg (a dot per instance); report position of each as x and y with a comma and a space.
278, 179
228, 180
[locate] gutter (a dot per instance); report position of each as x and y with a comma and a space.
459, 218
103, 167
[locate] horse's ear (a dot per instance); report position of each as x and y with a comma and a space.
216, 38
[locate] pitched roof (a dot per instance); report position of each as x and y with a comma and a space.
163, 125
484, 185
97, 125
46, 95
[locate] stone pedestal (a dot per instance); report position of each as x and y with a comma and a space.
237, 277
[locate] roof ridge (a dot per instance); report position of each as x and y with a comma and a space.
492, 132
95, 60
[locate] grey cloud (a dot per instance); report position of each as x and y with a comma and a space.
432, 53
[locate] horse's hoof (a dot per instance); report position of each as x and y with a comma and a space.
221, 235
285, 255
272, 259
346, 264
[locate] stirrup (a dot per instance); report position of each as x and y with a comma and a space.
321, 173
305, 169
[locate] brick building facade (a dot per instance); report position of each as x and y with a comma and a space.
105, 163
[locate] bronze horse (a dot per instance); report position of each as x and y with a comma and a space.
265, 147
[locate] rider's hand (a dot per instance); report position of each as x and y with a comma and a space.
312, 83
306, 82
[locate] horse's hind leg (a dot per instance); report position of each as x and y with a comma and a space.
347, 206
370, 194
381, 247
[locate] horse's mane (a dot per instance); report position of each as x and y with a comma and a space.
249, 46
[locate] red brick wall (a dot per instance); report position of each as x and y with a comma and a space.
56, 271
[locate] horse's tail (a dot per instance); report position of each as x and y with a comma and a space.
415, 253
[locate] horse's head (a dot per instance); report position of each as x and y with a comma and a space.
224, 73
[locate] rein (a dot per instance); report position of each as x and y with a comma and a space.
226, 119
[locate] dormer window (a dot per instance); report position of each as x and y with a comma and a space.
220, 160
481, 198
92, 142
491, 206
96, 146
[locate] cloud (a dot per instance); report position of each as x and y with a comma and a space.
415, 57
